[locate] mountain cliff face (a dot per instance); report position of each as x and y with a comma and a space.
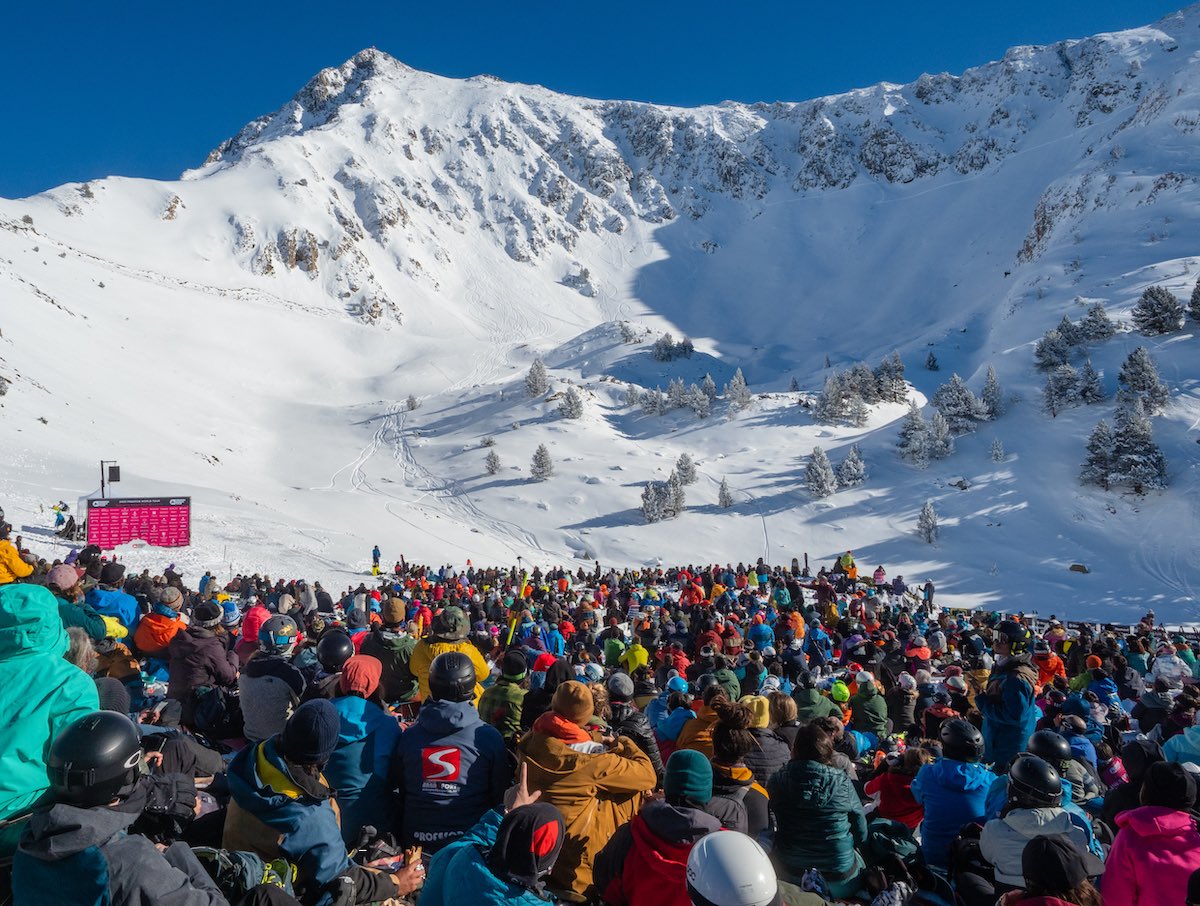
389, 232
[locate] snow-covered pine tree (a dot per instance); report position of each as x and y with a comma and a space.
571, 404
1090, 389
653, 402
992, 396
859, 414
828, 364
654, 502
1137, 459
628, 334
941, 440
1096, 325
927, 523
1070, 332
1097, 468
1139, 377
676, 393
542, 466
684, 348
931, 363
491, 462
1194, 302
818, 474
537, 381
997, 450
724, 496
633, 396
411, 403
794, 385
852, 471
685, 468
663, 349
675, 496
1158, 311
889, 379
1061, 390
861, 381
914, 438
961, 407
736, 391
832, 406
709, 386
1051, 351
699, 401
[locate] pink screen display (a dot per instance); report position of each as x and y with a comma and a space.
159, 521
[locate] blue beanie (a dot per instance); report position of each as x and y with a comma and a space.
311, 733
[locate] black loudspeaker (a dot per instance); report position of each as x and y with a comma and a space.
114, 474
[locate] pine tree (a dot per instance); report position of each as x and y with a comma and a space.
686, 469
571, 405
861, 382
1070, 332
961, 407
699, 401
1061, 390
1137, 459
931, 363
818, 474
1194, 303
684, 348
1098, 467
997, 450
859, 414
737, 393
654, 502
1096, 325
628, 335
491, 462
675, 496
1051, 351
889, 379
653, 402
828, 364
411, 403
1158, 311
537, 382
793, 385
852, 471
724, 497
709, 386
914, 438
1090, 390
1139, 377
676, 393
663, 349
992, 396
542, 466
927, 523
633, 396
832, 406
940, 441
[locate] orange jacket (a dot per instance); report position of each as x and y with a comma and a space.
1048, 667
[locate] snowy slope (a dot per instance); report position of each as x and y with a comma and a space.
249, 333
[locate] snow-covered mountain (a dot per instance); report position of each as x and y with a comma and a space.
249, 333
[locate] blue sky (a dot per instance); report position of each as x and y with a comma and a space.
147, 89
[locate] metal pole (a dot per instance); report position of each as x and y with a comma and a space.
102, 478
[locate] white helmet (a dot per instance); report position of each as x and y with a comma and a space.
726, 868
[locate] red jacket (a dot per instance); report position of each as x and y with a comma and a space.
896, 799
645, 862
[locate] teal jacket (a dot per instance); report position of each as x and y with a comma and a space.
40, 694
820, 818
458, 873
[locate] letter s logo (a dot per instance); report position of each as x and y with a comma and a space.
441, 764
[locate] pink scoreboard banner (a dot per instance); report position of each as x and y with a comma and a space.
159, 521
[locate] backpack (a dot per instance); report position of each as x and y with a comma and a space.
236, 873
218, 712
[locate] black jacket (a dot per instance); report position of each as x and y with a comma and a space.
771, 753
629, 721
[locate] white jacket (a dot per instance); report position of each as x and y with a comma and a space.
1003, 839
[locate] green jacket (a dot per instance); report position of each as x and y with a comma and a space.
811, 704
820, 820
394, 650
868, 710
40, 694
501, 706
730, 683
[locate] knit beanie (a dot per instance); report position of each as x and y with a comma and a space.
113, 695
1169, 784
172, 597
207, 614
513, 666
573, 700
311, 733
356, 619
620, 687
689, 777
1093, 662
361, 674
760, 710
527, 845
394, 611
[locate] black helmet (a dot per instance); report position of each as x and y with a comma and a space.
334, 649
1050, 746
278, 633
452, 677
1017, 634
1034, 783
95, 759
704, 681
806, 681
961, 741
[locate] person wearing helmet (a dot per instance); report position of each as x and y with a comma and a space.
334, 648
953, 790
1010, 713
810, 703
77, 847
270, 686
450, 767
731, 869
1034, 809
448, 632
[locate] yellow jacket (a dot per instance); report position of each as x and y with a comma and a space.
12, 567
426, 650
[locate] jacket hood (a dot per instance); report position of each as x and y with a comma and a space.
1156, 821
259, 781
962, 776
1158, 700
441, 718
29, 623
358, 718
65, 830
552, 755
1037, 822
677, 824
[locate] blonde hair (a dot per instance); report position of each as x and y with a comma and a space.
782, 708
